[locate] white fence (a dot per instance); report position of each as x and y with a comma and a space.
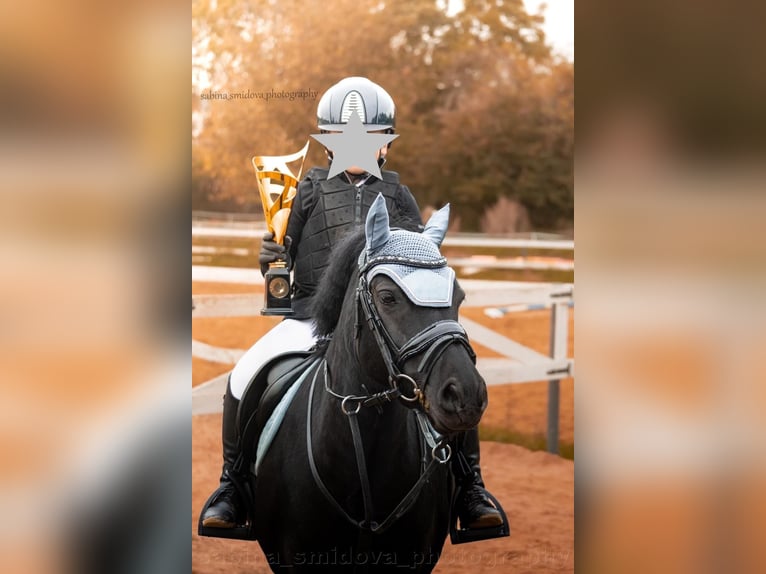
256, 230
477, 262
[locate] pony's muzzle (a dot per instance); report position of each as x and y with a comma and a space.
460, 407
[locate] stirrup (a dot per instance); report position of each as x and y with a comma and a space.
244, 531
463, 535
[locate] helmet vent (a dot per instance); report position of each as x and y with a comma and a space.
353, 103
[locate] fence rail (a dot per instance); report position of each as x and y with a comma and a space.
256, 229
224, 219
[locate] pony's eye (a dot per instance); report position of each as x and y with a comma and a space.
386, 297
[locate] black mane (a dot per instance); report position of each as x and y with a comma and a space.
327, 301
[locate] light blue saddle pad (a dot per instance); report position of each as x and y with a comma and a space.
275, 420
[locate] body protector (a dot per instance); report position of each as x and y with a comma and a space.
327, 210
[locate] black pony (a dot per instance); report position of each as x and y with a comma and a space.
356, 477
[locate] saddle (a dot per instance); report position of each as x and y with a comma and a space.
262, 396
259, 400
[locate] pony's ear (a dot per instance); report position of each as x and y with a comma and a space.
437, 225
376, 228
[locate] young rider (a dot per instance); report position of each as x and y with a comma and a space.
323, 210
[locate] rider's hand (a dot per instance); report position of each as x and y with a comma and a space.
272, 251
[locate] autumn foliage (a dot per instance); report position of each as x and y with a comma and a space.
484, 109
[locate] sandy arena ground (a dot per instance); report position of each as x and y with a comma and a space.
535, 488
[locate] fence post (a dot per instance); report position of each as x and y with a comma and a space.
558, 350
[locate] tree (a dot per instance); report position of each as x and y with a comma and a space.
483, 109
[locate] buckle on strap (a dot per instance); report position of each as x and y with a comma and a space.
441, 451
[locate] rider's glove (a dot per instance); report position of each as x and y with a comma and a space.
272, 251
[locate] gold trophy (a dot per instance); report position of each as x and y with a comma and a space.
278, 186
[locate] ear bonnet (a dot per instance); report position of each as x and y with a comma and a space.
412, 260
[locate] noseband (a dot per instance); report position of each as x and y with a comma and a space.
431, 342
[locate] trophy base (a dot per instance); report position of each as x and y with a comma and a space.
277, 311
276, 296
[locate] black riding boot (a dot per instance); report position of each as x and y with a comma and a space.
225, 510
474, 508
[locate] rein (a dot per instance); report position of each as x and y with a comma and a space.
351, 405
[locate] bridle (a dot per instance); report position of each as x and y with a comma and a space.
431, 343
441, 452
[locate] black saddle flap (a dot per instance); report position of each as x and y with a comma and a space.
264, 393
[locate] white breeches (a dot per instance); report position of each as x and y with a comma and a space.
288, 335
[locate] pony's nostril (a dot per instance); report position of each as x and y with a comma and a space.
450, 394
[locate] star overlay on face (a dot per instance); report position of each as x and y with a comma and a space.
354, 146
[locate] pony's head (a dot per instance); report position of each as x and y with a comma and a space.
405, 315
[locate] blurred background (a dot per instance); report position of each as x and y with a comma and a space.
484, 99
671, 268
94, 293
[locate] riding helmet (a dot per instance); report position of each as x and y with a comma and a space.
373, 104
